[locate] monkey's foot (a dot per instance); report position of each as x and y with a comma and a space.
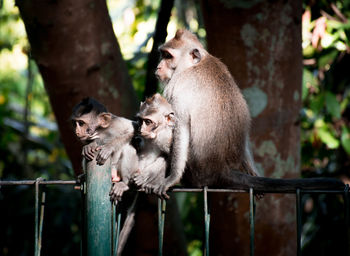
114, 174
117, 191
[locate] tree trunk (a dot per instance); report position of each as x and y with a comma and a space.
260, 42
75, 48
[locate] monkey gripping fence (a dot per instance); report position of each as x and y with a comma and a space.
104, 240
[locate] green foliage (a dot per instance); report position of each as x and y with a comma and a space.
30, 147
325, 120
325, 91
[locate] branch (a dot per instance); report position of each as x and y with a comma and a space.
158, 38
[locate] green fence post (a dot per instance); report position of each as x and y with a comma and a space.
98, 209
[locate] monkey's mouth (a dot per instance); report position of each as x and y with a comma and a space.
93, 136
89, 137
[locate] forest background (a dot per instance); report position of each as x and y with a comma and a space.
31, 147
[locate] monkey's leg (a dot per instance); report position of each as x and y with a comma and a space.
117, 191
151, 175
114, 174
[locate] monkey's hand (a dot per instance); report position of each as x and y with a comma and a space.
89, 151
104, 152
161, 190
147, 181
117, 191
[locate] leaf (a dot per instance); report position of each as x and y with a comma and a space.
309, 80
327, 58
332, 104
327, 138
345, 139
317, 103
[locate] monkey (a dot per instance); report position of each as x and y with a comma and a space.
156, 124
109, 135
153, 143
210, 144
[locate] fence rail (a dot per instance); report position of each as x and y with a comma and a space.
78, 184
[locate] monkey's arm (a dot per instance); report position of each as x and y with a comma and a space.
151, 175
179, 157
114, 145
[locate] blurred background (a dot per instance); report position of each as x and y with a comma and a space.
31, 146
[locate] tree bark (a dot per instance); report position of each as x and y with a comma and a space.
75, 48
159, 36
260, 42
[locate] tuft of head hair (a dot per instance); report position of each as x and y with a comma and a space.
183, 37
88, 105
153, 103
182, 34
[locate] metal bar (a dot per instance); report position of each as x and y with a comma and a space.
219, 190
41, 223
298, 208
346, 216
83, 250
117, 232
206, 221
251, 220
177, 189
43, 182
161, 220
98, 208
36, 230
113, 228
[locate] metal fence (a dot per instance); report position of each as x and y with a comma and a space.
299, 192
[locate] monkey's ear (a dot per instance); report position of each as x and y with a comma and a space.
196, 55
105, 119
170, 118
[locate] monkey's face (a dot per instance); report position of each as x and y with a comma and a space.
167, 65
176, 60
88, 126
85, 128
148, 127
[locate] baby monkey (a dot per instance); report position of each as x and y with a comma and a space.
153, 143
156, 125
108, 136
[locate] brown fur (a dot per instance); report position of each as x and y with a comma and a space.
213, 121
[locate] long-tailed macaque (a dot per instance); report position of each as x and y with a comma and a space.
156, 123
106, 135
153, 142
211, 132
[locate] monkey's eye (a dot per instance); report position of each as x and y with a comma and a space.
148, 122
166, 55
80, 123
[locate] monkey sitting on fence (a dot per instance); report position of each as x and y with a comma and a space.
210, 144
153, 143
106, 135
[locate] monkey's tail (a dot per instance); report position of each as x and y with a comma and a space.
240, 180
128, 225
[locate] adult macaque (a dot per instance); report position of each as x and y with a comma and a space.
106, 135
211, 133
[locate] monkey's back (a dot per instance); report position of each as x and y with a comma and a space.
218, 116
